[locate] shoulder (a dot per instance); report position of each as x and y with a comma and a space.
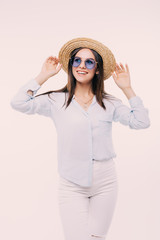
112, 101
56, 95
57, 98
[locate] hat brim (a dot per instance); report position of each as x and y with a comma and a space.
109, 62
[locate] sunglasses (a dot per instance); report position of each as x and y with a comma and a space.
89, 62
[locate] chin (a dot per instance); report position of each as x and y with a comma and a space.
84, 80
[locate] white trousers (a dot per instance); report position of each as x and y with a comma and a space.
87, 212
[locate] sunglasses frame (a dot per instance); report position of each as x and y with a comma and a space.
84, 61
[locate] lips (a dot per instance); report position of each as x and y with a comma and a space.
81, 71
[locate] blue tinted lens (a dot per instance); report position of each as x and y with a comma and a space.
76, 62
90, 63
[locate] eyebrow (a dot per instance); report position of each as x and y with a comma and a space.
86, 58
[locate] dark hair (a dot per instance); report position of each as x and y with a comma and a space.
97, 82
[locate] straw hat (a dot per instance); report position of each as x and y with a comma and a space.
109, 62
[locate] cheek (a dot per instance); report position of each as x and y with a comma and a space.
92, 72
73, 71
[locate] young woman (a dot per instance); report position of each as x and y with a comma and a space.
83, 114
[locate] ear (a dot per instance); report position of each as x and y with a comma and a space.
97, 70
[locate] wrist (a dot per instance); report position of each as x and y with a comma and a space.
128, 91
126, 88
41, 78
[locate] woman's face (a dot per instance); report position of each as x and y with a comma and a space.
89, 73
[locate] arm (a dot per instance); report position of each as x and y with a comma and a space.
25, 101
136, 117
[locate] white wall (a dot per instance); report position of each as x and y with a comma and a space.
30, 32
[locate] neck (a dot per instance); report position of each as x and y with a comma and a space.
83, 90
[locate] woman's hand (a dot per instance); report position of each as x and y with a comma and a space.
122, 76
50, 67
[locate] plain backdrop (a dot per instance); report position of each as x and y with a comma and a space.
30, 32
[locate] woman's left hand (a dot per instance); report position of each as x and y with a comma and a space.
122, 76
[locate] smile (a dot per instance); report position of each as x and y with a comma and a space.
81, 72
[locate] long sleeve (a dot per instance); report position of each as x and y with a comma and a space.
25, 103
136, 117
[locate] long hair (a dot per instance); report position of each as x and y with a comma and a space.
97, 84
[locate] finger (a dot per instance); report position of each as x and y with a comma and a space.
114, 76
127, 67
49, 59
122, 66
55, 59
118, 67
117, 70
52, 60
54, 63
59, 68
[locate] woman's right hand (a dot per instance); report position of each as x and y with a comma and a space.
51, 67
48, 70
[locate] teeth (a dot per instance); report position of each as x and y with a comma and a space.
82, 72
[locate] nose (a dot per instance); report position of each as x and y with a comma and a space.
82, 64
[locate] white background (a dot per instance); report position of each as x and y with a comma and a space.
30, 32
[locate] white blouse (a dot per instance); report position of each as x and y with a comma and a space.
81, 135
